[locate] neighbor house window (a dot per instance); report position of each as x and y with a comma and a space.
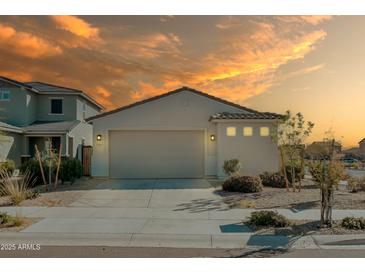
247, 131
231, 131
4, 95
56, 106
264, 131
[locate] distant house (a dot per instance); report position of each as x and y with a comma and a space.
357, 152
36, 113
321, 149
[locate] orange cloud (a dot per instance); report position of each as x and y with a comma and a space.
26, 44
102, 95
151, 45
76, 26
313, 20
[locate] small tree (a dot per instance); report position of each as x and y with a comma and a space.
327, 174
290, 134
231, 167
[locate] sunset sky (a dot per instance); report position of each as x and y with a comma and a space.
315, 65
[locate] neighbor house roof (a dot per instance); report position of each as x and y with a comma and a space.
171, 93
53, 127
246, 116
45, 88
10, 128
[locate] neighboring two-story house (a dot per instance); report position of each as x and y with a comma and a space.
36, 113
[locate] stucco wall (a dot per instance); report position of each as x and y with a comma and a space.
90, 109
11, 147
184, 110
68, 107
82, 133
256, 153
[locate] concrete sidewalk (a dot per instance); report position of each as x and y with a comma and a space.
186, 240
167, 213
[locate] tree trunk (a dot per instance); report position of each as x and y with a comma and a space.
283, 169
323, 205
301, 167
293, 177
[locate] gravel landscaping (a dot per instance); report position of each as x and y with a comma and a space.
308, 198
305, 227
65, 194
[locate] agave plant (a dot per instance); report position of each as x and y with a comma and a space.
16, 188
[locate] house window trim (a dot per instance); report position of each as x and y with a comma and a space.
243, 131
1, 95
268, 131
50, 106
235, 131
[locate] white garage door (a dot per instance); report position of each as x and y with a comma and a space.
156, 154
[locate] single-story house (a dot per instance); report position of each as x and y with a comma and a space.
184, 133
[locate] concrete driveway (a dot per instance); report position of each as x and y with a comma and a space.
178, 195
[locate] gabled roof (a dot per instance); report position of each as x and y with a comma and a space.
172, 93
362, 140
45, 88
246, 116
54, 127
10, 128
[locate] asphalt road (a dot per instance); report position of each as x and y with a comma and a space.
151, 252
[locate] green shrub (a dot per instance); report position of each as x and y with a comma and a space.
268, 218
356, 184
70, 170
31, 194
33, 166
231, 167
298, 172
353, 223
273, 179
245, 184
8, 166
5, 218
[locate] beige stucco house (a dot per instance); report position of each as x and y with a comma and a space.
184, 133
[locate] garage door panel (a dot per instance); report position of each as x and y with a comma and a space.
156, 154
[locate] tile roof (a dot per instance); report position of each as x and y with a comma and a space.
45, 87
57, 127
171, 93
40, 87
245, 116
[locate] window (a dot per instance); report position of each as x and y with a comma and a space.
264, 131
4, 95
231, 131
247, 131
56, 106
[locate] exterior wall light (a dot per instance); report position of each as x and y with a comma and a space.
212, 137
98, 137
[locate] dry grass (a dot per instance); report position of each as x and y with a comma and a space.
16, 189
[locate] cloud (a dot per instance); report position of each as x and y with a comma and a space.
313, 20
166, 18
76, 26
151, 45
103, 96
26, 44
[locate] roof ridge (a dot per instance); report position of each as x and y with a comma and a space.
183, 88
53, 85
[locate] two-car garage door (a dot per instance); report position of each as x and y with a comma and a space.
156, 154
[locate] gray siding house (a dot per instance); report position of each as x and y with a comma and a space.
33, 113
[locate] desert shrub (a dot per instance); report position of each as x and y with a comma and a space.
15, 189
8, 166
298, 172
70, 169
353, 223
33, 166
31, 194
5, 218
268, 218
245, 184
231, 167
273, 179
356, 184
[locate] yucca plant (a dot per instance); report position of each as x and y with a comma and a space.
15, 188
